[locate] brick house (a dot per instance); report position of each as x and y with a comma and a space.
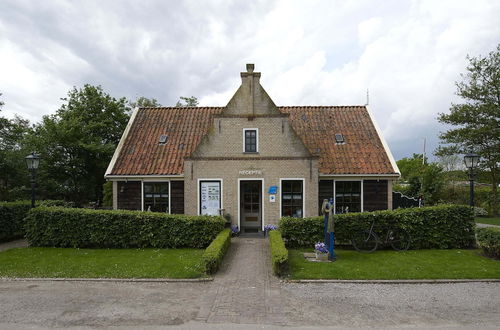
252, 159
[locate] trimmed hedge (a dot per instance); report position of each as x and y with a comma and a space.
214, 253
488, 239
85, 228
279, 253
442, 227
12, 219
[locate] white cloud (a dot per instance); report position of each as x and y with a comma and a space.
408, 53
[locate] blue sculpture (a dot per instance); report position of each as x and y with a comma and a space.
327, 210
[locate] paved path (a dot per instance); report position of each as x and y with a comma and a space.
245, 291
13, 244
245, 295
485, 225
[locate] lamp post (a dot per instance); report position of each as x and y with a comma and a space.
471, 160
32, 161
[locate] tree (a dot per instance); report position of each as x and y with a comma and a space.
423, 179
476, 121
188, 102
13, 148
144, 102
77, 143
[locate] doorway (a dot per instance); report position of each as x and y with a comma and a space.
251, 206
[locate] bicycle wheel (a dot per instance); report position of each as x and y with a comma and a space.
399, 239
364, 241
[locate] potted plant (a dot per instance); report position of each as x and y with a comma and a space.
235, 231
321, 251
268, 228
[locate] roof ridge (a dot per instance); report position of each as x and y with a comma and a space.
322, 106
159, 108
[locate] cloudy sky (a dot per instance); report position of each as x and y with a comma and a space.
408, 54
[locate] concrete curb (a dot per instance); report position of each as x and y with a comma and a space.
437, 281
133, 280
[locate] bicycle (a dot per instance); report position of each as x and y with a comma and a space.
367, 241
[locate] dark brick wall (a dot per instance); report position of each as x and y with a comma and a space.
375, 195
129, 195
177, 197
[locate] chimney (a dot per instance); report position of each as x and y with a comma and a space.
249, 80
250, 74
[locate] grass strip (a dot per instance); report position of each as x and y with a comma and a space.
101, 263
392, 265
488, 221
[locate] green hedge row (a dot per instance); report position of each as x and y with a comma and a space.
85, 228
279, 253
442, 227
214, 253
488, 239
12, 219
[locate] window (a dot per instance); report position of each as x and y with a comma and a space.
156, 196
292, 198
163, 139
347, 196
251, 140
339, 138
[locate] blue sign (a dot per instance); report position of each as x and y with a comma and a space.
273, 190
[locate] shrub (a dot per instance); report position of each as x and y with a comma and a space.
12, 215
488, 239
85, 228
279, 253
480, 212
443, 227
55, 202
213, 255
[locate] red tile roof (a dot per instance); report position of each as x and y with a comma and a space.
362, 153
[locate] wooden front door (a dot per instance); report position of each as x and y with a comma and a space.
251, 205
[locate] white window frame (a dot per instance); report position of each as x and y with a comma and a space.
221, 192
262, 200
156, 181
303, 195
257, 140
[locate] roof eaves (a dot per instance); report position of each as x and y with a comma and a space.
121, 143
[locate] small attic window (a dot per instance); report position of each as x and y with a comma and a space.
339, 138
163, 139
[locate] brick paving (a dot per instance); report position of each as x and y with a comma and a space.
245, 291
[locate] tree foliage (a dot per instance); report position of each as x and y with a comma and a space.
187, 102
13, 148
423, 179
476, 121
144, 102
78, 141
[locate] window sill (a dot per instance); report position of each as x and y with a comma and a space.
251, 152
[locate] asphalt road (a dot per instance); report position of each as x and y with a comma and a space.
36, 304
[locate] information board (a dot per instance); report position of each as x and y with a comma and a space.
210, 197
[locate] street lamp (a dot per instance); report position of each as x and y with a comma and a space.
471, 160
32, 161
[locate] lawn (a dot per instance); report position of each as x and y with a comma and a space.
390, 265
102, 263
489, 221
